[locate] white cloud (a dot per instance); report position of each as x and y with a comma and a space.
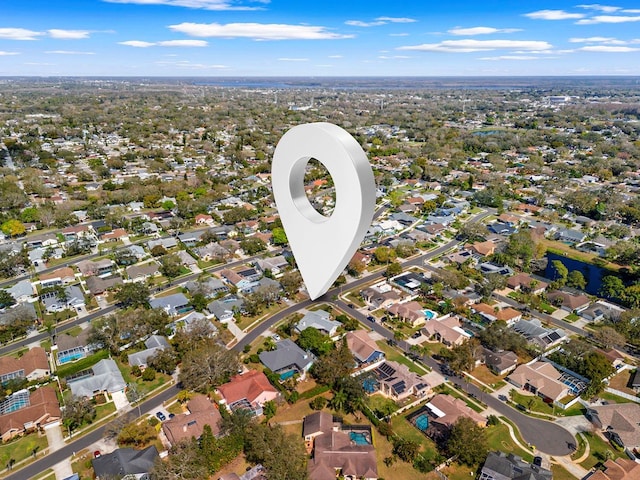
69, 52
510, 57
607, 40
165, 43
393, 57
289, 59
600, 8
553, 15
608, 49
183, 43
335, 56
631, 10
470, 45
481, 30
68, 34
6, 54
198, 4
608, 19
257, 31
398, 34
396, 19
137, 44
19, 34
358, 23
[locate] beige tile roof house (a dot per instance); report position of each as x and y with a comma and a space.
410, 312
184, 426
540, 378
618, 469
362, 346
449, 410
620, 420
447, 330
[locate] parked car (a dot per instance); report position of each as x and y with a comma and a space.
537, 461
351, 305
97, 454
161, 416
371, 318
418, 334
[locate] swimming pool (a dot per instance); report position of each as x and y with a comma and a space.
370, 385
359, 438
287, 375
422, 422
70, 357
430, 314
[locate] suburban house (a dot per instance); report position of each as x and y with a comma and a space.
380, 295
23, 412
397, 382
203, 219
287, 359
600, 310
70, 348
335, 451
482, 249
446, 330
619, 422
249, 391
114, 235
225, 308
72, 298
23, 291
125, 463
363, 348
568, 301
491, 314
141, 273
212, 252
409, 282
502, 466
167, 243
410, 312
241, 283
540, 378
207, 287
61, 276
96, 267
201, 412
320, 320
174, 304
99, 285
526, 283
535, 333
186, 259
106, 379
443, 412
501, 362
275, 264
31, 366
154, 344
618, 469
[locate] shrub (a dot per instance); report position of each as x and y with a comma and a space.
385, 429
135, 371
149, 375
318, 403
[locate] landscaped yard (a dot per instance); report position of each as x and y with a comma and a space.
621, 380
22, 448
396, 356
598, 447
532, 402
560, 473
499, 439
143, 386
487, 377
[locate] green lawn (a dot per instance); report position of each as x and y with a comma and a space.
560, 473
457, 394
396, 356
143, 387
82, 364
22, 448
533, 403
613, 398
498, 438
598, 448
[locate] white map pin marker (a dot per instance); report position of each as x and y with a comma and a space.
322, 246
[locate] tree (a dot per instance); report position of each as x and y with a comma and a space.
291, 282
384, 254
158, 251
468, 441
183, 463
13, 228
473, 232
329, 368
312, 339
279, 236
6, 299
133, 294
252, 245
393, 269
609, 337
137, 434
318, 403
269, 409
282, 455
612, 287
209, 365
407, 450
492, 282
355, 267
576, 279
77, 411
171, 265
560, 274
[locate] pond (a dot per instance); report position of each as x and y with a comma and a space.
592, 273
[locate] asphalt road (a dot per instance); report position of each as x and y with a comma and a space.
85, 441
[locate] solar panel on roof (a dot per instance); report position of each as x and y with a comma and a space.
386, 369
554, 336
399, 387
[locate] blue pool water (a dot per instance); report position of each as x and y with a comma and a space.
422, 422
359, 438
70, 357
370, 385
288, 374
430, 314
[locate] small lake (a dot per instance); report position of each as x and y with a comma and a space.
592, 273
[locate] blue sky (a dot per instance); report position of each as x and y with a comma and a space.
322, 38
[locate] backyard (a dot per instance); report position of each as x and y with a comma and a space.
395, 355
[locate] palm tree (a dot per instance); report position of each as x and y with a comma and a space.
339, 400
